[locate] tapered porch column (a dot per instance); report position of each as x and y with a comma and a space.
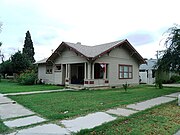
89, 70
67, 73
105, 73
85, 70
92, 70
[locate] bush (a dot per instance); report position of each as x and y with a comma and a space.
29, 77
159, 83
175, 78
125, 86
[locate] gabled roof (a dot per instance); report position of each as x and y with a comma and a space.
93, 52
41, 61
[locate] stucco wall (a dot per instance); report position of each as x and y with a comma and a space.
41, 71
120, 56
48, 78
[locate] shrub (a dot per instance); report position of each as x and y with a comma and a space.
28, 77
125, 86
159, 83
175, 78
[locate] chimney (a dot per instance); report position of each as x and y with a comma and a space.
79, 43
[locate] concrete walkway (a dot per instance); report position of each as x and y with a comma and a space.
10, 109
37, 92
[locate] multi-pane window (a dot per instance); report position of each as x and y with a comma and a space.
125, 72
48, 69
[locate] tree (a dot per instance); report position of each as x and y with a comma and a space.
28, 49
20, 62
6, 68
170, 61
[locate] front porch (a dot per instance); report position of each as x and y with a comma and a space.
86, 75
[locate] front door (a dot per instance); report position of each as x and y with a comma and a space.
81, 74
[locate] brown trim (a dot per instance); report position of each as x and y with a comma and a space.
91, 82
106, 81
123, 65
85, 82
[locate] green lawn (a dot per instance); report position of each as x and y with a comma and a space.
67, 104
161, 120
3, 128
7, 86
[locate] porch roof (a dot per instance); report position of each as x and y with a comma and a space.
96, 51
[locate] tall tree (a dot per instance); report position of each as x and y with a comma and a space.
28, 49
170, 60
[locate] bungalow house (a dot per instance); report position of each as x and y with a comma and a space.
111, 64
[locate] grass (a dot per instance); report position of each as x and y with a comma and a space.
7, 86
67, 104
3, 128
161, 120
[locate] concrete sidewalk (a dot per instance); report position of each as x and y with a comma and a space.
37, 92
72, 125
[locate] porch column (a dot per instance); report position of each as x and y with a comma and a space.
66, 71
89, 70
105, 73
92, 70
85, 70
69, 71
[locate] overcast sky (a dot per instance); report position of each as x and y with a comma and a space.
90, 22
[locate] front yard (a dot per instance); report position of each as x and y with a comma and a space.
161, 120
7, 86
164, 119
62, 105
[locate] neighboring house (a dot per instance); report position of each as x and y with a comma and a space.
110, 64
147, 71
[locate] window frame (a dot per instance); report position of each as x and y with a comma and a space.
129, 73
49, 69
56, 67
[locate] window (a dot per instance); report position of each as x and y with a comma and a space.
48, 69
58, 67
125, 72
100, 70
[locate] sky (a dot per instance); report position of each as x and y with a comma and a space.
90, 22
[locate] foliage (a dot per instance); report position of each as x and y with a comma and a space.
85, 102
9, 86
170, 61
175, 78
28, 77
161, 120
159, 83
6, 68
28, 49
125, 86
20, 62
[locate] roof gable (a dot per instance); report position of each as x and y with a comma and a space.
94, 52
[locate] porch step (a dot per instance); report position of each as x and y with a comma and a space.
76, 87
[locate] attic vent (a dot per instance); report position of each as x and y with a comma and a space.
79, 43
